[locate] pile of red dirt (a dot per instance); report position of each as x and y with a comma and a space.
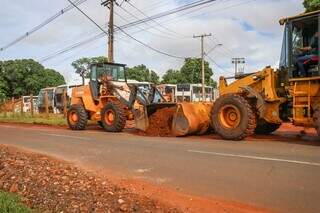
160, 123
49, 185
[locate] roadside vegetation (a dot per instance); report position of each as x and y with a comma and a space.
53, 119
10, 203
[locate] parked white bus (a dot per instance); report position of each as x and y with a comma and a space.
193, 93
168, 91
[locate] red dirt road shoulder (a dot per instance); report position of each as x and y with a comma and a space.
46, 183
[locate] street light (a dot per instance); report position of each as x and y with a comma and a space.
217, 45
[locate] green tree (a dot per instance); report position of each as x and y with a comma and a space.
26, 76
190, 73
82, 65
142, 73
172, 77
311, 5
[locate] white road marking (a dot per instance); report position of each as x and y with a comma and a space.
67, 136
256, 157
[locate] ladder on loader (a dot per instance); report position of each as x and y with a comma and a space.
302, 95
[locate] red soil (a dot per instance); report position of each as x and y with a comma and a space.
160, 123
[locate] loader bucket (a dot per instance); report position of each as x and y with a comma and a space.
142, 113
141, 118
191, 118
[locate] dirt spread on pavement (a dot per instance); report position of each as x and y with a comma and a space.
160, 123
50, 185
187, 203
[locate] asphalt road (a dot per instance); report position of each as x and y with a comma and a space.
280, 176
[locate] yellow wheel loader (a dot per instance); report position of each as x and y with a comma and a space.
259, 102
110, 100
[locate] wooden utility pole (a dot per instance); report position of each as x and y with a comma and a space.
110, 5
202, 64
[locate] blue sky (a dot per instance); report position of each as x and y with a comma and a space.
246, 28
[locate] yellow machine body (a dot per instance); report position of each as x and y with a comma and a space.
305, 93
303, 96
262, 87
82, 95
259, 102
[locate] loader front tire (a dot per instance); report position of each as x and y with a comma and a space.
233, 117
266, 128
113, 117
77, 117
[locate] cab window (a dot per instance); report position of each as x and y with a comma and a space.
116, 72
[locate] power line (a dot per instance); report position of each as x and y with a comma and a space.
144, 44
161, 25
213, 61
43, 24
150, 47
131, 14
227, 50
160, 15
88, 17
71, 47
100, 35
170, 12
143, 29
212, 11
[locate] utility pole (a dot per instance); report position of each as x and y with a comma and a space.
236, 62
202, 64
110, 5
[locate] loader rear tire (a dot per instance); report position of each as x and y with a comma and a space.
233, 118
316, 120
266, 128
113, 117
77, 117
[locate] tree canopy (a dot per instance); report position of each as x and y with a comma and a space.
189, 73
82, 65
142, 73
172, 77
26, 76
311, 5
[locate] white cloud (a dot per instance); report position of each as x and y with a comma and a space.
249, 29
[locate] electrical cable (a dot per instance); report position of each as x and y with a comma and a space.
160, 15
161, 25
213, 61
178, 9
142, 43
43, 24
144, 29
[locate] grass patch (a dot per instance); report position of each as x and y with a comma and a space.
10, 203
54, 119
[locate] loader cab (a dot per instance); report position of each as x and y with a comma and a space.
115, 72
300, 31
